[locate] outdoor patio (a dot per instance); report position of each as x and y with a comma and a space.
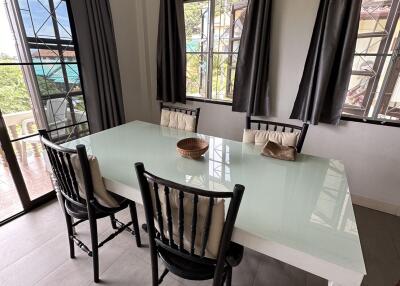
36, 179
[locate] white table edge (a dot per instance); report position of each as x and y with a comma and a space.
335, 274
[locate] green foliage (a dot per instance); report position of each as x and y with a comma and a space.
14, 96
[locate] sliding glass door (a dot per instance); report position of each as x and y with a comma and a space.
40, 87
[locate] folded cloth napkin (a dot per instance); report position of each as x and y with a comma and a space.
277, 151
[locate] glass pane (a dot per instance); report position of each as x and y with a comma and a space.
357, 90
358, 96
395, 40
368, 45
8, 48
392, 111
32, 164
223, 76
196, 75
73, 76
50, 78
15, 102
37, 18
70, 133
364, 64
390, 106
79, 111
10, 203
228, 24
197, 26
373, 16
64, 26
48, 55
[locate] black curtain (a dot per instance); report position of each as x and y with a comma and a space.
171, 52
99, 63
251, 87
327, 71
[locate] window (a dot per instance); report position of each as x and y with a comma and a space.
374, 88
44, 55
213, 31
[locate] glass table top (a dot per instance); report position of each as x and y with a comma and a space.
304, 205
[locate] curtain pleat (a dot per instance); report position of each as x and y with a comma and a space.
99, 63
171, 52
251, 86
328, 66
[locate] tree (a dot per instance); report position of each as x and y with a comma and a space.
14, 95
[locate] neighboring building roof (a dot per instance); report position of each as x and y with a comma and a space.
44, 53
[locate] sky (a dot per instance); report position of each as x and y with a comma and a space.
7, 43
41, 21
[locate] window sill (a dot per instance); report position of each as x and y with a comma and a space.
369, 121
206, 100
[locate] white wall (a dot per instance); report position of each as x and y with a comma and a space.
370, 153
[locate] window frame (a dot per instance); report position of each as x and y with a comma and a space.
390, 77
58, 44
210, 54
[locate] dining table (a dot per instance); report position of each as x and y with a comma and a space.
298, 212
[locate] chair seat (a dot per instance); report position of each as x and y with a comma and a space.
198, 271
81, 212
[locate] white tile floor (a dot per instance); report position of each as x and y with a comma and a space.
34, 251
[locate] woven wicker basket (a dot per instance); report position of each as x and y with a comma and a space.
192, 148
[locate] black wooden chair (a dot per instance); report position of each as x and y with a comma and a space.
192, 264
76, 207
276, 126
194, 112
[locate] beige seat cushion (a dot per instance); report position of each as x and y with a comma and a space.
217, 220
100, 192
178, 120
261, 137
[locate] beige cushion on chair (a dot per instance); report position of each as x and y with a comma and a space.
178, 120
217, 220
261, 137
100, 191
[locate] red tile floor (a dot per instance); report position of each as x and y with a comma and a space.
36, 179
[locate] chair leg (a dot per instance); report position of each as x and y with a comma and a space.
95, 249
154, 267
70, 234
229, 277
113, 223
132, 208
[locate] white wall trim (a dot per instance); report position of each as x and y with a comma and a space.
376, 205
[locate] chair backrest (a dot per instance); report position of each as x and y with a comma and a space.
194, 112
175, 245
63, 171
277, 126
